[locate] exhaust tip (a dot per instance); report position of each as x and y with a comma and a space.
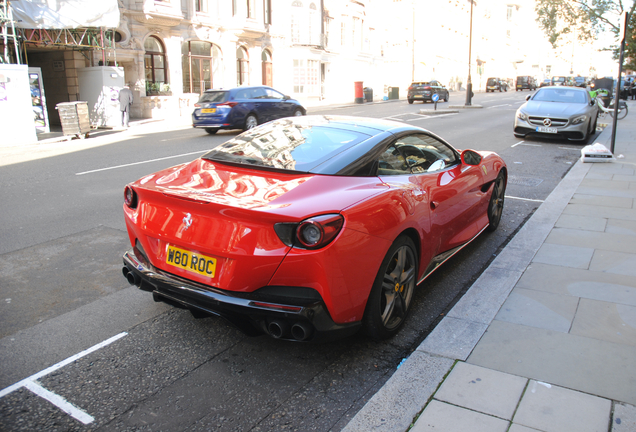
131, 277
301, 331
277, 329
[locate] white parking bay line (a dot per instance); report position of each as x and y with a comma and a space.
524, 199
142, 162
58, 401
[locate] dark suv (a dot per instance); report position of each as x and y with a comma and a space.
424, 91
496, 84
242, 108
526, 82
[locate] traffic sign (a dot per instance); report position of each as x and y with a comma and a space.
435, 97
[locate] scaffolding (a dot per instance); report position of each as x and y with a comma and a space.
9, 35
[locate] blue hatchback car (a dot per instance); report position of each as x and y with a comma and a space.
242, 108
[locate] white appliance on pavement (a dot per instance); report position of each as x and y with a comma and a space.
100, 86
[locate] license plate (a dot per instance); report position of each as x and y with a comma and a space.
546, 129
417, 96
208, 110
190, 261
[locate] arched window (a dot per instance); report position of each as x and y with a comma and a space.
202, 63
266, 61
155, 64
242, 64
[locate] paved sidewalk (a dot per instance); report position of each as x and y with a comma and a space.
545, 339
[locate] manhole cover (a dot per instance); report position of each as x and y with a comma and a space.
524, 181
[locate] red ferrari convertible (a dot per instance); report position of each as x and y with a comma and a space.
309, 227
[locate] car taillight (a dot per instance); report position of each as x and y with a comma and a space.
197, 105
130, 197
410, 87
312, 233
228, 104
427, 88
318, 231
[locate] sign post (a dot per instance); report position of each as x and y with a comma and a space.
617, 91
435, 98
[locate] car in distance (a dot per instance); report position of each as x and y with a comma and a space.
557, 112
311, 227
580, 81
545, 83
424, 91
496, 84
242, 108
526, 82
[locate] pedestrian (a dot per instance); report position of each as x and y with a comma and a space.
125, 103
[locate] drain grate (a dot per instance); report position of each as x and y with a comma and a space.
524, 181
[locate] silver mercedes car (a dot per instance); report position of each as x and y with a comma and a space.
557, 112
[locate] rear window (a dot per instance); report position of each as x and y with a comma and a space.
522, 79
286, 144
213, 96
492, 81
420, 84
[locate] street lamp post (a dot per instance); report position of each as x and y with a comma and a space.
469, 85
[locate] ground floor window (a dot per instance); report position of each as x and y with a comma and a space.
307, 77
201, 63
155, 65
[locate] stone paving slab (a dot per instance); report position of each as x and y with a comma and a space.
605, 212
606, 321
539, 309
602, 199
585, 364
581, 283
483, 390
589, 239
440, 416
624, 418
588, 223
555, 409
622, 227
614, 262
564, 255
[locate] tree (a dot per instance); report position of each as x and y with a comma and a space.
564, 20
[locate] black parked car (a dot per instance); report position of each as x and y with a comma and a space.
496, 84
424, 91
526, 82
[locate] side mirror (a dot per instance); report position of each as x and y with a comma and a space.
471, 157
528, 97
286, 98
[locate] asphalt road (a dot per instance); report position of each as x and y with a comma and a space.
61, 239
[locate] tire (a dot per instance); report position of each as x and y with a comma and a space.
496, 204
410, 101
392, 292
211, 131
250, 122
298, 113
446, 98
621, 114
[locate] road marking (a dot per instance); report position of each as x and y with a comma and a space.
526, 144
58, 401
139, 163
497, 106
570, 148
524, 199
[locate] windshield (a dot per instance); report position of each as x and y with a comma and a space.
213, 96
560, 95
286, 144
492, 81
